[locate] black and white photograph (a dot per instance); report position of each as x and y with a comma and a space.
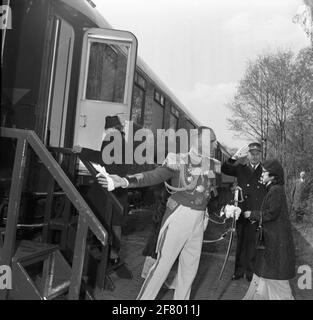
156, 150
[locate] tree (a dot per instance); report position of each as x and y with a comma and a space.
261, 104
274, 104
300, 126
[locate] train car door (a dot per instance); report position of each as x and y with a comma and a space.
59, 86
105, 85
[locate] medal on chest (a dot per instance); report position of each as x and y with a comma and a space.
193, 179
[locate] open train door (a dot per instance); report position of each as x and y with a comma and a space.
106, 82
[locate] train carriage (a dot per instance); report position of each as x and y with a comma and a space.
64, 69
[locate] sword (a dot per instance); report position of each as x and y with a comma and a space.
233, 228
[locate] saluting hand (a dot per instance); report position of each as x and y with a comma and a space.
242, 152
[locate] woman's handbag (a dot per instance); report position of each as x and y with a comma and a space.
260, 244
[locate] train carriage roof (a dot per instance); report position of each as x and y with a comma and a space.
93, 15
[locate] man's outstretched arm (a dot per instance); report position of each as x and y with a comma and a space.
139, 180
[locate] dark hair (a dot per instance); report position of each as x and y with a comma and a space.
275, 169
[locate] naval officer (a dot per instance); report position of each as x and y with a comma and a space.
245, 165
185, 218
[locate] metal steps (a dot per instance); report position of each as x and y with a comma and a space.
39, 272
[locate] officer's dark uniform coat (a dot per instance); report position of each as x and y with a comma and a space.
253, 193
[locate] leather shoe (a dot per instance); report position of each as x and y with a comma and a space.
237, 277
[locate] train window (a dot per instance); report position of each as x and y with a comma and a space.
106, 72
162, 100
140, 81
158, 97
154, 113
175, 112
190, 125
138, 100
137, 104
174, 115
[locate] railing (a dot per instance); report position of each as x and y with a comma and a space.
102, 275
87, 220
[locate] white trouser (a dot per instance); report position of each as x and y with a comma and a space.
182, 235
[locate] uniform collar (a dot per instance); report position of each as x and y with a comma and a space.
254, 166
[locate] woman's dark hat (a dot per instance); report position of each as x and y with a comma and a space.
275, 168
255, 146
112, 122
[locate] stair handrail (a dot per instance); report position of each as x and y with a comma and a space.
86, 219
66, 184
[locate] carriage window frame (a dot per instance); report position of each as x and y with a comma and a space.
143, 89
158, 101
174, 113
109, 42
191, 124
159, 98
140, 81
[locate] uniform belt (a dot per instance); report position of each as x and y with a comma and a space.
172, 204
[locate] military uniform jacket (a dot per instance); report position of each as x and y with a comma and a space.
248, 179
196, 198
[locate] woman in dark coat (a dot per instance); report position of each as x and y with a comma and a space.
275, 258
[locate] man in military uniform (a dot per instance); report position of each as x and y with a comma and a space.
185, 219
245, 165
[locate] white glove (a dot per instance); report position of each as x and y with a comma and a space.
102, 170
242, 152
230, 211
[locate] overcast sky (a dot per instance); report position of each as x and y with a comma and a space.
200, 48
